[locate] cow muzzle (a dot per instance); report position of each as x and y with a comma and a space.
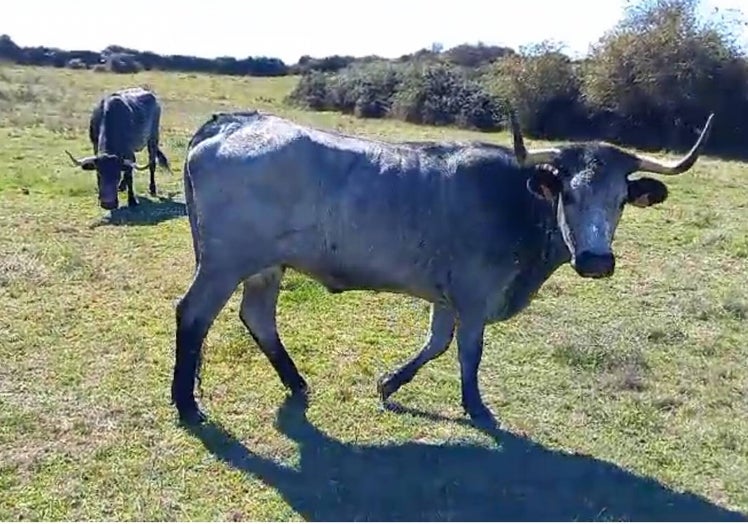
594, 265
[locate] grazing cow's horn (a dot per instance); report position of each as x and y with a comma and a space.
82, 161
534, 156
684, 164
134, 165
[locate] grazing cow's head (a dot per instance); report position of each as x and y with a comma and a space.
588, 184
108, 171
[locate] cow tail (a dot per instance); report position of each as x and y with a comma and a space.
162, 160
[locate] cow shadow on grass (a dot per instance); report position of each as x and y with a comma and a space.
148, 212
516, 480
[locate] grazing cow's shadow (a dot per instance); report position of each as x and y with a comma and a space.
518, 480
148, 212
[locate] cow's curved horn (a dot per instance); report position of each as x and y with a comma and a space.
533, 156
82, 161
135, 166
680, 166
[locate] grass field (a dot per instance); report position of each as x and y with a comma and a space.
619, 399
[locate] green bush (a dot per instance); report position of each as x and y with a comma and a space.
365, 90
433, 94
311, 92
439, 94
662, 70
543, 86
123, 63
650, 81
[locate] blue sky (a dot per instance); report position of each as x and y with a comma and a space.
290, 28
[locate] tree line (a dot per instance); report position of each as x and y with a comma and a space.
120, 59
650, 81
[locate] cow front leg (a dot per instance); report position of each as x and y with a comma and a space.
128, 182
441, 332
470, 331
196, 311
131, 200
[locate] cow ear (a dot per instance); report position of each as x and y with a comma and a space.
645, 192
544, 184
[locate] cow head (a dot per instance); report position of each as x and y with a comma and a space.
589, 184
108, 171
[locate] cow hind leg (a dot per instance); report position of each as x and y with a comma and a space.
152, 156
441, 332
195, 313
258, 313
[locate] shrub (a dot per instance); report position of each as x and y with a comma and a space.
76, 63
328, 64
311, 92
474, 56
662, 70
434, 94
123, 63
439, 94
543, 86
364, 90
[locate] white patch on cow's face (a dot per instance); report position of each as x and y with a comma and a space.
108, 177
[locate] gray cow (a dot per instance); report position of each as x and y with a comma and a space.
122, 123
473, 228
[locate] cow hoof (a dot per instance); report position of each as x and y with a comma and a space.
386, 387
191, 416
481, 416
300, 389
152, 190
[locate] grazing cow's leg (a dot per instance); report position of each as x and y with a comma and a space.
441, 332
152, 152
258, 310
127, 179
122, 183
196, 311
470, 331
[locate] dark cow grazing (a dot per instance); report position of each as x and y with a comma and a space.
473, 228
121, 124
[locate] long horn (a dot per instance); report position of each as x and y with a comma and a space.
533, 156
134, 165
80, 162
680, 166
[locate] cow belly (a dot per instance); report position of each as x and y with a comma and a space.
337, 280
338, 276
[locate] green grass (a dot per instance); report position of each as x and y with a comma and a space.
619, 399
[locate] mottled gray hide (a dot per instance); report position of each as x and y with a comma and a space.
121, 124
473, 228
